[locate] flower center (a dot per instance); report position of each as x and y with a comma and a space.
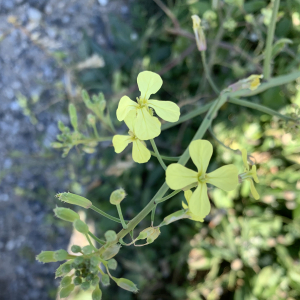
132, 135
202, 178
142, 102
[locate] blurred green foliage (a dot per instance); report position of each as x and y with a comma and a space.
245, 249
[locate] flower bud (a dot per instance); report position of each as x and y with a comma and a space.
66, 281
87, 250
95, 261
178, 215
78, 260
64, 268
199, 33
110, 235
153, 236
86, 99
91, 119
110, 251
74, 199
85, 285
145, 233
95, 280
65, 214
112, 264
73, 116
117, 196
66, 291
46, 257
97, 294
252, 83
105, 280
56, 145
77, 281
102, 105
75, 248
81, 227
61, 255
126, 285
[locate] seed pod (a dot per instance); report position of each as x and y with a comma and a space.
65, 214
85, 285
112, 264
61, 254
46, 257
110, 235
117, 196
75, 249
97, 294
81, 227
110, 251
74, 199
87, 250
126, 285
66, 281
66, 291
105, 279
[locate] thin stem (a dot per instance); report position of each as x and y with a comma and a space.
104, 214
101, 242
269, 43
96, 131
100, 139
153, 215
167, 197
90, 242
207, 73
172, 158
259, 107
158, 155
121, 216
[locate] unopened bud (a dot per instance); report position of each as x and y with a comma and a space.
73, 116
178, 215
61, 126
153, 236
102, 105
65, 214
126, 285
81, 227
117, 196
105, 280
97, 294
63, 269
112, 264
110, 235
66, 291
46, 257
85, 285
66, 281
95, 261
75, 248
91, 119
111, 251
87, 250
56, 145
78, 260
95, 280
61, 255
145, 233
252, 83
74, 199
86, 99
199, 33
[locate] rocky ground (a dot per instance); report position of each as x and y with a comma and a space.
31, 31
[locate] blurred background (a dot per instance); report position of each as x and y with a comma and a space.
50, 50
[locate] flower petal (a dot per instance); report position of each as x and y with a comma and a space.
124, 107
225, 178
201, 152
245, 159
253, 189
120, 142
199, 204
167, 110
178, 176
184, 205
130, 119
187, 195
140, 153
149, 83
146, 126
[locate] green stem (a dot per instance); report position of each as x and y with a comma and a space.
86, 141
153, 215
121, 216
96, 131
171, 158
158, 155
101, 242
90, 242
207, 73
104, 214
260, 108
167, 197
269, 43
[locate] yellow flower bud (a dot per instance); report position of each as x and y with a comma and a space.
199, 33
74, 199
117, 196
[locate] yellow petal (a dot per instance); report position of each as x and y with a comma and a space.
140, 153
199, 204
254, 175
225, 178
201, 152
146, 126
253, 189
167, 110
245, 159
149, 83
187, 195
130, 119
184, 205
178, 176
120, 142
124, 107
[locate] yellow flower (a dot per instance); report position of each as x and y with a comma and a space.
180, 177
199, 33
140, 153
249, 174
187, 195
146, 125
252, 82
